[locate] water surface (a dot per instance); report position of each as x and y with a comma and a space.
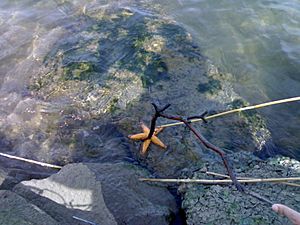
255, 41
259, 43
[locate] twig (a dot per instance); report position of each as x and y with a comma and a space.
202, 139
83, 220
154, 118
253, 194
225, 181
237, 110
30, 161
259, 197
248, 178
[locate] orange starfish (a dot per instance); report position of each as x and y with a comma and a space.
143, 137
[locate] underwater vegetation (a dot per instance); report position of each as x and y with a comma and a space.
111, 53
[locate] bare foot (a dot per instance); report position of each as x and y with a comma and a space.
291, 214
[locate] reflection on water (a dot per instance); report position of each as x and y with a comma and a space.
257, 42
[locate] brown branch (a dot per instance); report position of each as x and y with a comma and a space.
154, 118
206, 143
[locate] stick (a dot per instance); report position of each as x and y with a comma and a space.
83, 220
227, 181
236, 110
248, 178
30, 161
205, 142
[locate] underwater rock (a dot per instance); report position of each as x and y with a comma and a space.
104, 143
113, 55
217, 204
102, 193
108, 64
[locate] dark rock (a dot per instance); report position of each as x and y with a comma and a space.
102, 193
17, 210
3, 176
7, 178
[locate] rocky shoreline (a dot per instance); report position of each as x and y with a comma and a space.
89, 88
224, 205
102, 193
111, 193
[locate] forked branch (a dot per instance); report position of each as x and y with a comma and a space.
200, 137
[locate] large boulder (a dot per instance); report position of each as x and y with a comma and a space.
101, 193
109, 64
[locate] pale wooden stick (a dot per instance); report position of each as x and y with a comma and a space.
30, 161
83, 220
223, 175
238, 110
248, 178
205, 181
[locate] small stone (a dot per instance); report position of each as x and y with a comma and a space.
256, 167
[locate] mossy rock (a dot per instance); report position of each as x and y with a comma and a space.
113, 55
211, 86
78, 71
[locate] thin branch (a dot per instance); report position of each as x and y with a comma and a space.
294, 99
84, 220
225, 181
202, 117
206, 143
30, 161
154, 118
248, 178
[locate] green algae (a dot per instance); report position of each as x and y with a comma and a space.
113, 105
211, 86
251, 117
110, 41
78, 71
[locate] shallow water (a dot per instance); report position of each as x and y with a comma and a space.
257, 42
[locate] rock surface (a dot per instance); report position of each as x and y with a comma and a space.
224, 205
108, 65
102, 193
15, 210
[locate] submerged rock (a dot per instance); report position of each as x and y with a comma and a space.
102, 193
225, 205
111, 63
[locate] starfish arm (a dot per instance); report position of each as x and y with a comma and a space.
158, 142
145, 145
145, 128
140, 136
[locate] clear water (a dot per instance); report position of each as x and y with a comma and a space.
259, 43
256, 41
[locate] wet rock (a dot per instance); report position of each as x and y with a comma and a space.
103, 143
102, 193
225, 205
7, 180
109, 64
3, 175
17, 210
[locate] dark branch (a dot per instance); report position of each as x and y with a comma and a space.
203, 140
155, 116
202, 116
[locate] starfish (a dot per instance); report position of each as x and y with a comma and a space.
143, 137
